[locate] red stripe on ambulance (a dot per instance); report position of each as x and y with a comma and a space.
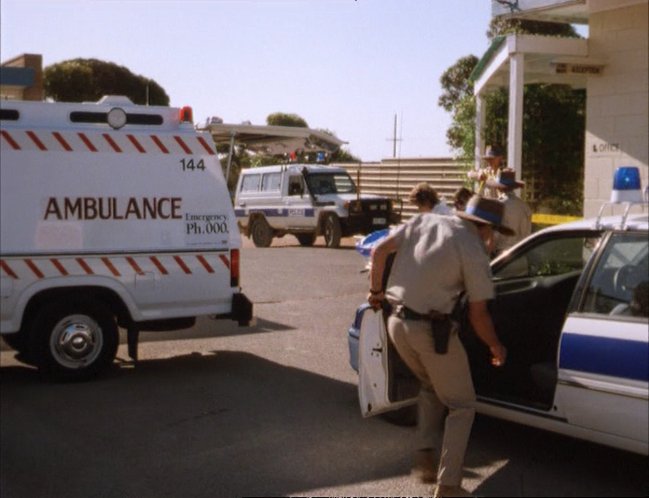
182, 144
111, 267
134, 265
87, 141
225, 261
205, 264
158, 265
111, 142
85, 266
205, 145
36, 140
182, 265
7, 269
57, 264
10, 140
62, 141
137, 144
160, 145
32, 266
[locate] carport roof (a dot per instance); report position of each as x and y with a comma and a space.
274, 140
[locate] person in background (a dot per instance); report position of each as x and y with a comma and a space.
426, 199
461, 197
517, 214
438, 258
493, 156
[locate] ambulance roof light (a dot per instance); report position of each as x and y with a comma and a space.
186, 115
626, 185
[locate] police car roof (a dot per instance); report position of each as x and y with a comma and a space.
312, 168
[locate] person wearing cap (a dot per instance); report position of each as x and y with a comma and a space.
426, 199
517, 214
437, 259
493, 156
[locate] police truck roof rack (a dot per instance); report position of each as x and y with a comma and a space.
626, 192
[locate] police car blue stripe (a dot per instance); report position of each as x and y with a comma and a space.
282, 212
605, 356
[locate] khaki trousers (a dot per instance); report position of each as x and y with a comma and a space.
446, 398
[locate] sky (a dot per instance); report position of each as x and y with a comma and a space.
348, 66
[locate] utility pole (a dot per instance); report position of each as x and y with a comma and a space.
394, 139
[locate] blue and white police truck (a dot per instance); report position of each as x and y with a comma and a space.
572, 308
307, 200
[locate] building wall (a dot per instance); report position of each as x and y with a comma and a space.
35, 90
617, 127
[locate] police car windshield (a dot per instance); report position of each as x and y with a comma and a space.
330, 183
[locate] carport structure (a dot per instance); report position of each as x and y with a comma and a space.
272, 140
517, 60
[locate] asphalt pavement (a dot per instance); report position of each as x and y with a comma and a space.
267, 410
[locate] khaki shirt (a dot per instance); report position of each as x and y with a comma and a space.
438, 257
517, 215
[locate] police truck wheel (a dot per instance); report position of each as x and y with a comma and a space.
306, 239
332, 231
261, 233
74, 339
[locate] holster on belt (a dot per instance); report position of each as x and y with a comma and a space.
440, 324
441, 332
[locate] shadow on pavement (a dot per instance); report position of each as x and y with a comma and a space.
223, 424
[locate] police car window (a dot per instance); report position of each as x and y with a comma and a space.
271, 182
620, 283
554, 256
250, 183
295, 185
330, 183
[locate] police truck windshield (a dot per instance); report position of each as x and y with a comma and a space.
330, 183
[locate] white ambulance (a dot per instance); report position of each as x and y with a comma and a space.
112, 215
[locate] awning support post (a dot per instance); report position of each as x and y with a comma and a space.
515, 131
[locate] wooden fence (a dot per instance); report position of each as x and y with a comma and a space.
395, 178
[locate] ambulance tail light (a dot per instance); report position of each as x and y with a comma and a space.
234, 268
186, 115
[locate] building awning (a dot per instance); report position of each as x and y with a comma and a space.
274, 140
547, 60
516, 60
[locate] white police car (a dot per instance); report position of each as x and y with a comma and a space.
572, 308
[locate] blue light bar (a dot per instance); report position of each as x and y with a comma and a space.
626, 185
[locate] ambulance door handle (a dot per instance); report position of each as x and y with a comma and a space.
242, 203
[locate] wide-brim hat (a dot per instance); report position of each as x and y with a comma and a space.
487, 211
505, 180
492, 151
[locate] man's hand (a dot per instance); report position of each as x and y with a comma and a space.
375, 299
498, 355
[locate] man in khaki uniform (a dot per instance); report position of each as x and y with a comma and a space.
517, 214
494, 158
437, 258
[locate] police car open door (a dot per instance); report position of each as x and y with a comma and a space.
377, 392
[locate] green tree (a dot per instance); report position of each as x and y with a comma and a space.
79, 80
283, 119
552, 161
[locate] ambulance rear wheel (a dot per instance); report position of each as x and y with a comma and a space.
306, 239
261, 233
74, 339
332, 231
